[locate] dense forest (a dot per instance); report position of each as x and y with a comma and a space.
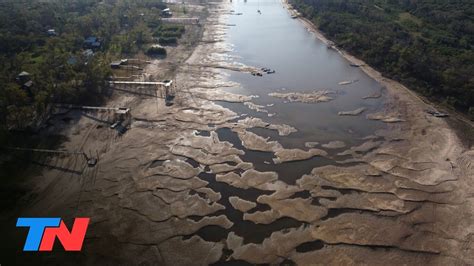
59, 51
426, 45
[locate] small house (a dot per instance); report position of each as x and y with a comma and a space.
116, 64
166, 12
24, 80
88, 53
23, 77
92, 42
52, 32
27, 85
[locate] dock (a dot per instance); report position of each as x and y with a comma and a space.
149, 83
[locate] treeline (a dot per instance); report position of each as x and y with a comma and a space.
426, 45
46, 42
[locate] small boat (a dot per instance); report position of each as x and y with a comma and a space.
260, 12
437, 113
270, 71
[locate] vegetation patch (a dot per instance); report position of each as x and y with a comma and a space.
156, 51
60, 51
168, 34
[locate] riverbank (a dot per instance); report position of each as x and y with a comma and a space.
423, 138
373, 73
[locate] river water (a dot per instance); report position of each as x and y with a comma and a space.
302, 63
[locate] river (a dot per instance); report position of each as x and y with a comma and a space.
302, 63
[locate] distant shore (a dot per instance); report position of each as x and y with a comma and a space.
393, 86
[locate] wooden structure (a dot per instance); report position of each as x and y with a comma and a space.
163, 89
122, 114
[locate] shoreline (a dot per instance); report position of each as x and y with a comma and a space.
392, 85
424, 138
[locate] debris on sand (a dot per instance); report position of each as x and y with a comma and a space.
355, 112
305, 97
337, 144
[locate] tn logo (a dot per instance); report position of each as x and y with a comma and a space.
43, 233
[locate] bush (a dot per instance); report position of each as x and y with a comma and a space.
171, 27
168, 41
170, 34
155, 50
168, 30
